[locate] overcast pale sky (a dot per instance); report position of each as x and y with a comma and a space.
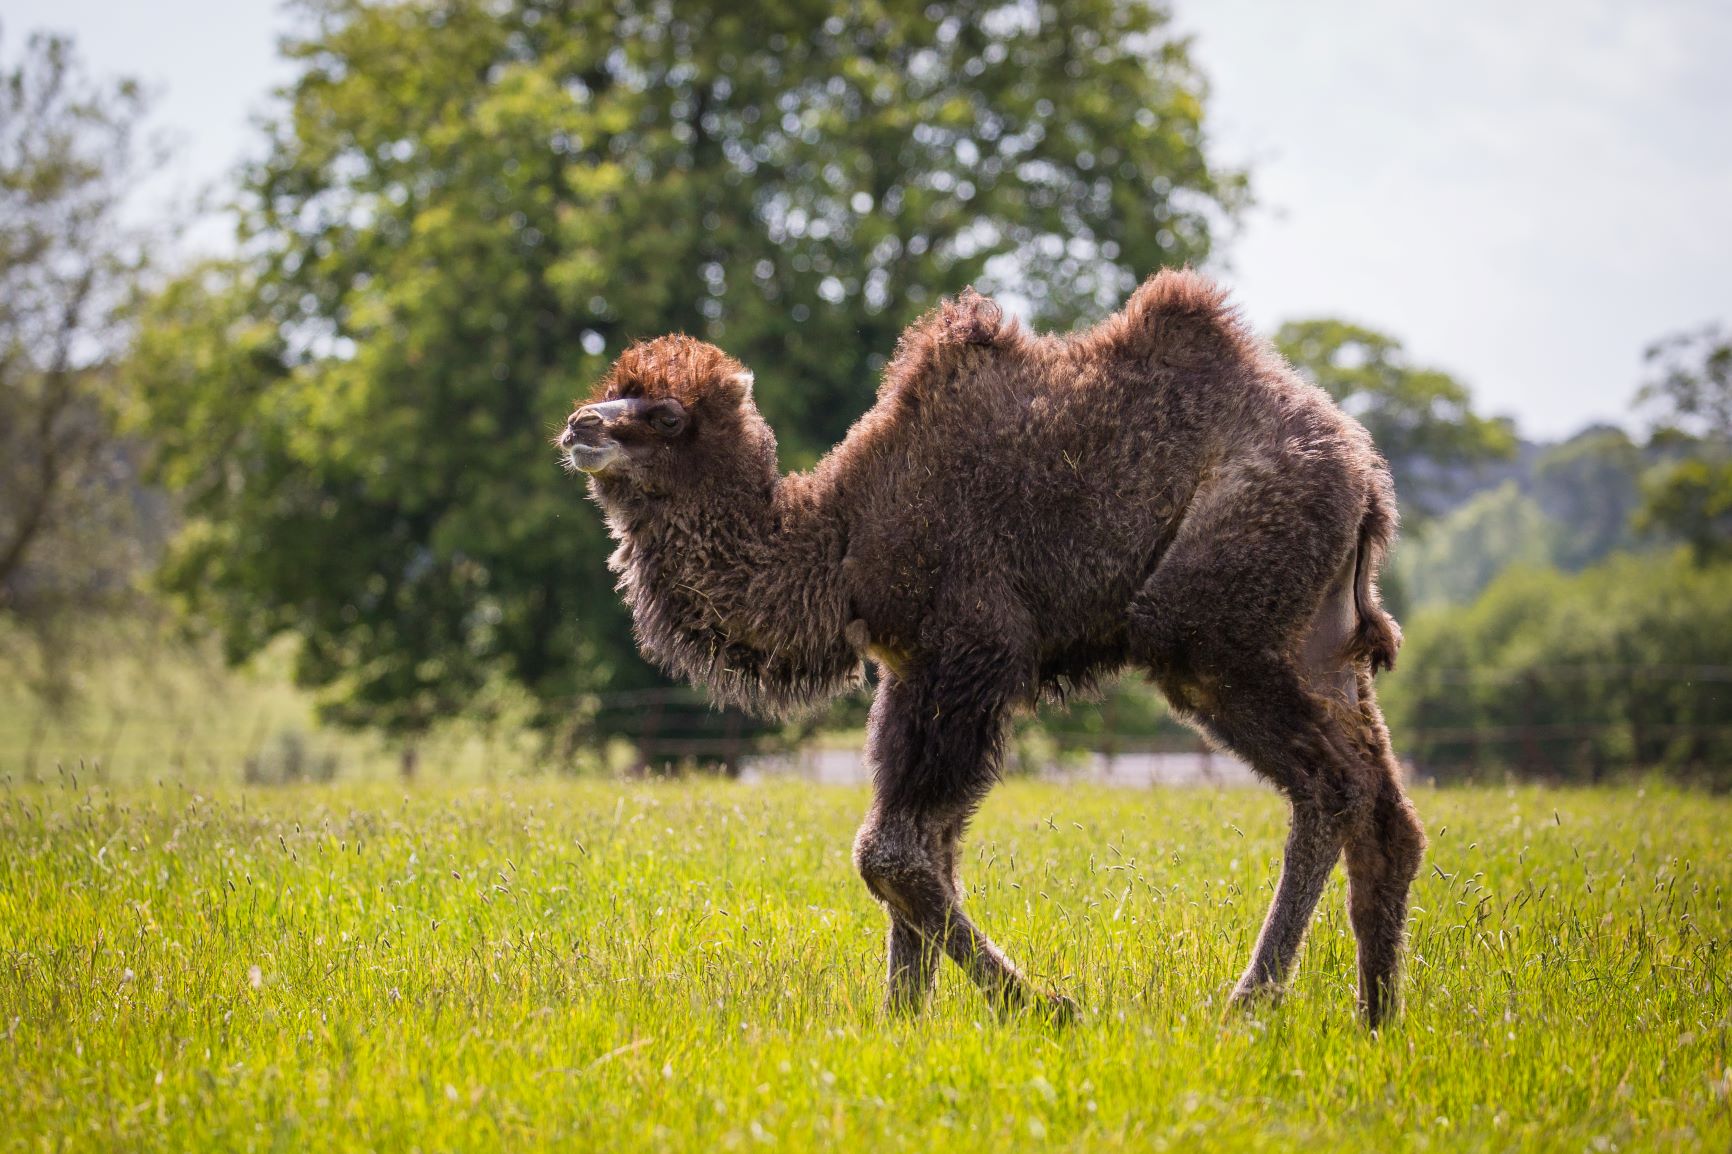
1524, 193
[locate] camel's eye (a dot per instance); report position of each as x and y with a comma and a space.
667, 421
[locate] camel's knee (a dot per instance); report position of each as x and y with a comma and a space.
1388, 842
876, 859
1403, 836
895, 862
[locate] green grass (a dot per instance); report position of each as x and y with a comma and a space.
124, 697
695, 967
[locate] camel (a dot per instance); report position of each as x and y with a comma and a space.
1017, 517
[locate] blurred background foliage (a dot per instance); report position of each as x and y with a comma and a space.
325, 454
73, 516
468, 209
1574, 676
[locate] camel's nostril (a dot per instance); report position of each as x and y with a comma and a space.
584, 418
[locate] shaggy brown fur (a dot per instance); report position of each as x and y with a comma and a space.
1018, 516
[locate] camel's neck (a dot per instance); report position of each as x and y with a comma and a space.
739, 588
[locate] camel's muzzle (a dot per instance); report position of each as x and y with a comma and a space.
588, 440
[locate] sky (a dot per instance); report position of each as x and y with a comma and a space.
1525, 194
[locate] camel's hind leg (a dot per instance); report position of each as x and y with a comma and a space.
1359, 806
1271, 718
1243, 625
1385, 845
1384, 839
1314, 842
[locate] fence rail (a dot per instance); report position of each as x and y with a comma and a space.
672, 726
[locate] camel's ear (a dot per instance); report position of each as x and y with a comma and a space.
740, 384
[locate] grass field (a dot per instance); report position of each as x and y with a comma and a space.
695, 967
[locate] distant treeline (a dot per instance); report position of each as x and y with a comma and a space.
330, 445
1569, 505
1624, 666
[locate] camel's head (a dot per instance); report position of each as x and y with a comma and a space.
670, 411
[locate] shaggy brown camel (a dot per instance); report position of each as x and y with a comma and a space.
1018, 516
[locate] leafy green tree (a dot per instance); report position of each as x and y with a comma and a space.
468, 207
1691, 498
69, 155
1692, 388
1589, 488
1461, 552
1578, 676
1422, 419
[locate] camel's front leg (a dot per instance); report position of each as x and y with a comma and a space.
913, 967
932, 760
895, 854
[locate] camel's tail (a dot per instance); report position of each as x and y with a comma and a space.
1376, 637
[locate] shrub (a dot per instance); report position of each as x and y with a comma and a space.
1627, 665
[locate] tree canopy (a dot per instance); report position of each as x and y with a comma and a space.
466, 208
1690, 392
69, 153
1422, 419
1589, 487
1576, 676
1463, 550
1690, 396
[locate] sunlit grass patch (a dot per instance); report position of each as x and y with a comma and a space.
695, 966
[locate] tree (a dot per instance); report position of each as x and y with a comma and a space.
1617, 668
1692, 388
1462, 551
1589, 487
1691, 500
1691, 497
69, 154
469, 207
1422, 419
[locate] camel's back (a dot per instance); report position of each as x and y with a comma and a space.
1040, 478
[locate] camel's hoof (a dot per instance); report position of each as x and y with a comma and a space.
1025, 1002
904, 1007
1249, 999
1377, 1019
1061, 1009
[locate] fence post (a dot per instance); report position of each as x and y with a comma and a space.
652, 723
1110, 746
1530, 711
110, 741
38, 734
1635, 707
731, 743
1476, 735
